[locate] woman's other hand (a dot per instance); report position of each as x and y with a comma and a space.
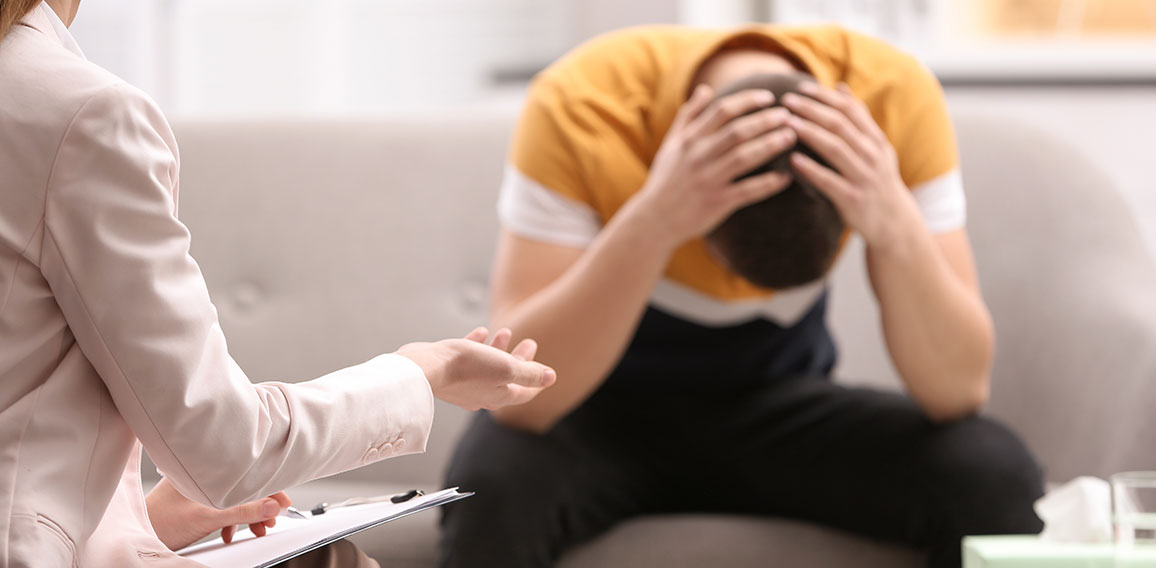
180, 522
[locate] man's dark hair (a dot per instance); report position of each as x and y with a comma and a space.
790, 238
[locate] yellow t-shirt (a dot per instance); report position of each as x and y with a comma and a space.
594, 120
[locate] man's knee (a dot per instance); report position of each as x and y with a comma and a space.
340, 554
496, 467
507, 521
984, 478
507, 469
494, 514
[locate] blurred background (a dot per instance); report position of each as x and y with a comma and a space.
1084, 70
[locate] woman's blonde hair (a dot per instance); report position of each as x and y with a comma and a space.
11, 11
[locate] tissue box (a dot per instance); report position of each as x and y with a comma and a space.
1031, 552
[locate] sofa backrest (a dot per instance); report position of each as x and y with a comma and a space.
325, 243
1071, 284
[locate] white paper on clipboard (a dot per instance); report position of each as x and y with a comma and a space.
294, 537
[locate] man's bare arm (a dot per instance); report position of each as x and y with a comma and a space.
938, 330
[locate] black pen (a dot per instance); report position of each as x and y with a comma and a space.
321, 508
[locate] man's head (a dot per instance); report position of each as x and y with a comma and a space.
788, 239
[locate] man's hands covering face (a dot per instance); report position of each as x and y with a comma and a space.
865, 185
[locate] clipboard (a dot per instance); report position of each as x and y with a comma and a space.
294, 537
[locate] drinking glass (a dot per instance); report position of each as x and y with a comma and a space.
1134, 517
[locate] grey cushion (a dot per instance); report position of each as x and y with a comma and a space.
694, 541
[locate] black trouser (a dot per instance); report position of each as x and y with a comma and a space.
860, 460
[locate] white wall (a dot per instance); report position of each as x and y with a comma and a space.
294, 57
278, 57
287, 57
594, 17
716, 12
121, 36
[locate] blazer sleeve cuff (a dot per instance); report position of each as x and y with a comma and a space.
407, 400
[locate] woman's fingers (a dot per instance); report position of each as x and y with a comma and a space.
479, 334
282, 498
227, 533
532, 375
501, 339
525, 350
255, 514
259, 515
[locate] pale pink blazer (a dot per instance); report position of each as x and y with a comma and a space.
108, 339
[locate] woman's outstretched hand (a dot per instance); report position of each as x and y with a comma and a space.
472, 374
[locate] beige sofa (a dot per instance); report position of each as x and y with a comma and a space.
325, 243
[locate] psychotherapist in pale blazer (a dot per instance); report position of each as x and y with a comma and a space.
108, 341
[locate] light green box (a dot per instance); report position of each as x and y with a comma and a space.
1031, 552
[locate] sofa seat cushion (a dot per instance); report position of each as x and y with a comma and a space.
662, 540
675, 541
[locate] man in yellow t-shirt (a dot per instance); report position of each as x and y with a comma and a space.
673, 200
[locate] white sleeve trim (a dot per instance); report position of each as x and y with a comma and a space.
785, 308
942, 202
531, 210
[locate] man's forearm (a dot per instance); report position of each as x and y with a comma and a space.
936, 325
584, 320
938, 330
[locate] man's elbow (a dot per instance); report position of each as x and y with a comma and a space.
959, 404
524, 418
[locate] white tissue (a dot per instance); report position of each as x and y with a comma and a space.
1079, 511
